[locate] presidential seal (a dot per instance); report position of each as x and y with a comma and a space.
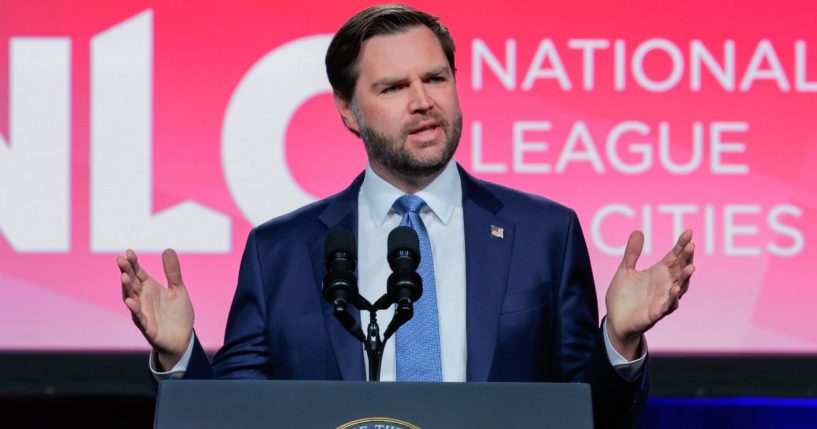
378, 423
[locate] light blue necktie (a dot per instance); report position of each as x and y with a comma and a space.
418, 341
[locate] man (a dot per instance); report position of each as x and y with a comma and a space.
509, 271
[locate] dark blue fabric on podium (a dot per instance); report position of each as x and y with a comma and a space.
721, 413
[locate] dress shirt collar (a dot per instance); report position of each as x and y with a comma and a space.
442, 195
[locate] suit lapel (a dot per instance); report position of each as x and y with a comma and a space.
487, 259
341, 212
488, 245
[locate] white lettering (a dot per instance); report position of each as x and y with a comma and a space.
719, 147
556, 70
677, 211
596, 227
697, 149
723, 74
646, 228
482, 55
798, 241
764, 51
579, 134
254, 129
476, 153
620, 66
801, 82
731, 230
638, 65
637, 148
520, 146
121, 154
709, 229
35, 178
588, 48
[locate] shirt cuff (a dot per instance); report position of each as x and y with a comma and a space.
177, 371
629, 370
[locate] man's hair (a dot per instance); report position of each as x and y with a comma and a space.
342, 55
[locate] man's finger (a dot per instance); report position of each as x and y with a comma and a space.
633, 250
125, 288
683, 285
136, 313
683, 240
173, 270
674, 304
678, 249
133, 305
674, 292
688, 250
686, 273
122, 263
684, 288
141, 274
689, 253
129, 284
129, 287
125, 266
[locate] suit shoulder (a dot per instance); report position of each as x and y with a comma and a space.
294, 218
305, 221
527, 204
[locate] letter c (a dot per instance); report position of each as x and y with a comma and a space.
254, 129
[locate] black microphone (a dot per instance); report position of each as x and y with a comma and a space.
340, 283
404, 286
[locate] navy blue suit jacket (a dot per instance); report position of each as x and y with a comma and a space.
531, 311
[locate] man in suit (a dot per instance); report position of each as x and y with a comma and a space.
509, 272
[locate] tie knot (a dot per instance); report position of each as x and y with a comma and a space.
408, 204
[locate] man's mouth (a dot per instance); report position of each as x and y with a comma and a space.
425, 127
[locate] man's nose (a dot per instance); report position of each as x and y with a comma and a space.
421, 100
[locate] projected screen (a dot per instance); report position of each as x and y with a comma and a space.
155, 124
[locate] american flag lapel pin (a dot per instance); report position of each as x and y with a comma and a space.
497, 232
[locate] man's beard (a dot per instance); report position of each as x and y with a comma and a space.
393, 154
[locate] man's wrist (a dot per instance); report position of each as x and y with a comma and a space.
166, 361
627, 345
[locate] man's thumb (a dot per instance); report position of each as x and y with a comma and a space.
633, 250
173, 271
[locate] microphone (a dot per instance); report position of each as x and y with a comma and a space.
404, 285
340, 283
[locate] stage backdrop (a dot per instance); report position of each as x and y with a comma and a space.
154, 124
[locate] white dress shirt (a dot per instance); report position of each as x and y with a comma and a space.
443, 219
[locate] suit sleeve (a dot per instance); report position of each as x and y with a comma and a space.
617, 403
245, 353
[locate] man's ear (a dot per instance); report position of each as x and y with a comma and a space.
346, 115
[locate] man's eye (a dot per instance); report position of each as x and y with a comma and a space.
437, 79
391, 89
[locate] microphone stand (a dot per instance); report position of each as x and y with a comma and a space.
374, 347
404, 286
372, 342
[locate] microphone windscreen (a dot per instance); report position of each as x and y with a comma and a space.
340, 240
403, 238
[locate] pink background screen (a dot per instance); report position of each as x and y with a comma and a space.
644, 116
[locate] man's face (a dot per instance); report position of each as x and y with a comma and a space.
405, 104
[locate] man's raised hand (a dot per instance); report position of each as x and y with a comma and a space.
163, 314
637, 300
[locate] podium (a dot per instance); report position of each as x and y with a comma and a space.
205, 404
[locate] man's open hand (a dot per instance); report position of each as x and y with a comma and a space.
163, 314
637, 300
